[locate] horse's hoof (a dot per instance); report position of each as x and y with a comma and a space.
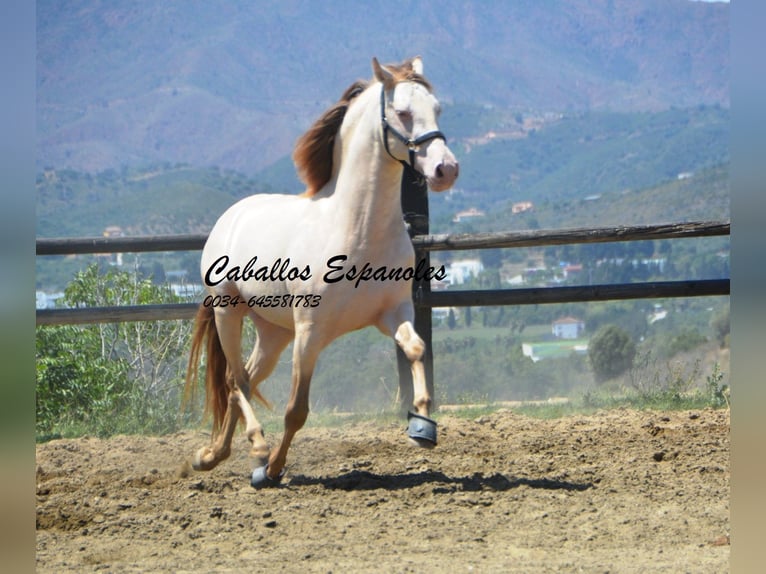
260, 479
421, 430
199, 461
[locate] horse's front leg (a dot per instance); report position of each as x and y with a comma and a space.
306, 349
269, 344
421, 429
414, 348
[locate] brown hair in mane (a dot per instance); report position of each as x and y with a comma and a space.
313, 150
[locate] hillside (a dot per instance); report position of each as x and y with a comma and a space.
700, 196
164, 199
595, 160
233, 84
187, 200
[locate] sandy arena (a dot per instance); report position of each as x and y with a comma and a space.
617, 491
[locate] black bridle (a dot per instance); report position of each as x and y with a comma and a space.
412, 144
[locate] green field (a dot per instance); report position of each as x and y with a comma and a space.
557, 349
538, 336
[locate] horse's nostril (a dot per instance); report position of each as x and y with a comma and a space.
439, 172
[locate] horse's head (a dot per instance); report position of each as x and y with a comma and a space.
409, 113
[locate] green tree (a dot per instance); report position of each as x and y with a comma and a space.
77, 379
109, 378
451, 321
684, 340
721, 326
611, 351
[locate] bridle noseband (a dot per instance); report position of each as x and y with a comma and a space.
412, 144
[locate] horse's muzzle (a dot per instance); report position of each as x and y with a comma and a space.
444, 176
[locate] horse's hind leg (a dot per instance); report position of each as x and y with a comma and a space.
219, 449
229, 330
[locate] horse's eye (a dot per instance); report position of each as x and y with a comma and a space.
404, 115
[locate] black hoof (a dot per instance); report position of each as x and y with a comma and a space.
421, 430
260, 479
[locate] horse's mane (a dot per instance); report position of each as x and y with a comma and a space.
405, 73
313, 150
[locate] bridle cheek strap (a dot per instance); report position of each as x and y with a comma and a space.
412, 144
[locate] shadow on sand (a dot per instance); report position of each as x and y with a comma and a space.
364, 480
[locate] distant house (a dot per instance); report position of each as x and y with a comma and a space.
47, 300
522, 206
113, 231
459, 272
467, 214
190, 291
568, 328
570, 270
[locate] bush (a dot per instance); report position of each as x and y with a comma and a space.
721, 326
77, 383
611, 351
110, 378
684, 341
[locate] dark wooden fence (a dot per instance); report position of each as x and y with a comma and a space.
415, 208
424, 243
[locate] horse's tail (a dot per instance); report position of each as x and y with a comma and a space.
216, 389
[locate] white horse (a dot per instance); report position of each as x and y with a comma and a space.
309, 268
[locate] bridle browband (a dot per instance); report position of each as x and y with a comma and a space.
412, 144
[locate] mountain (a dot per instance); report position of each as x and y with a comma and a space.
233, 84
564, 159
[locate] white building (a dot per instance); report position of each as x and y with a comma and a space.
467, 214
188, 290
568, 328
45, 300
459, 272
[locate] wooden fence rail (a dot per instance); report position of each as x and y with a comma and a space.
577, 293
415, 207
525, 296
444, 242
117, 314
414, 202
142, 244
543, 237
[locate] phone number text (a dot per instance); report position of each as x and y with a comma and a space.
263, 301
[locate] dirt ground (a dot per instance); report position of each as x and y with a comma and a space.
618, 491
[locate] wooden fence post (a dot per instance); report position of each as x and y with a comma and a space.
414, 194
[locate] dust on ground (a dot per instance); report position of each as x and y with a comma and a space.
616, 491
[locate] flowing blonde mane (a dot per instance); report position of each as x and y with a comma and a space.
314, 149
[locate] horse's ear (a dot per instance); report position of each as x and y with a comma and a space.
417, 65
382, 74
